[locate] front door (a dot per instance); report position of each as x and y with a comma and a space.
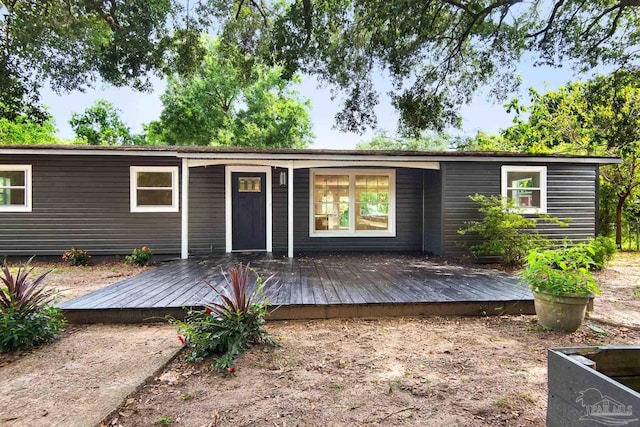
248, 211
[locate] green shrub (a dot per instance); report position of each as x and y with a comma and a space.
140, 256
19, 330
602, 251
505, 232
560, 271
76, 257
592, 255
26, 316
228, 327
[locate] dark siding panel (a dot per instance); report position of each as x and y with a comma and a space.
83, 201
571, 190
408, 219
433, 212
206, 210
280, 213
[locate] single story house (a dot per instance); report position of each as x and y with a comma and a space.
198, 200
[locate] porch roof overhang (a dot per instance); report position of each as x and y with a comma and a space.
298, 155
303, 164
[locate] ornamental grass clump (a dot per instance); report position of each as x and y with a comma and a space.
27, 317
231, 323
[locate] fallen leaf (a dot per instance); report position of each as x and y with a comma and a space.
597, 330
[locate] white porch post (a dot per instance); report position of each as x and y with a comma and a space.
290, 210
184, 253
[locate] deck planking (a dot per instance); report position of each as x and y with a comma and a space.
315, 285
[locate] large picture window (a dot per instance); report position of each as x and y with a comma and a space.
354, 202
154, 189
526, 186
15, 188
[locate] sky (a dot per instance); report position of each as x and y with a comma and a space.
138, 108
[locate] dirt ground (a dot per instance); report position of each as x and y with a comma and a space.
83, 376
409, 371
75, 281
87, 373
619, 302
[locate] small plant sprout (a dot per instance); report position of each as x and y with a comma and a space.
186, 397
502, 402
164, 420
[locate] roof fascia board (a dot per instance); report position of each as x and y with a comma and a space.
394, 158
308, 156
54, 151
303, 164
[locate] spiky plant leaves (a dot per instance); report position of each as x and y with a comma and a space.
22, 293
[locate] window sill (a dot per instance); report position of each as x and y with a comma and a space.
14, 209
352, 234
155, 209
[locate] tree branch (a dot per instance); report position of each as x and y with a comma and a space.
550, 21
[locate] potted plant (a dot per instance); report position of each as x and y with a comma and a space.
562, 286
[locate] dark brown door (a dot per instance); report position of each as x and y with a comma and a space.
249, 211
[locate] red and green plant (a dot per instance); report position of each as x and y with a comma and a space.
230, 324
76, 257
27, 317
140, 257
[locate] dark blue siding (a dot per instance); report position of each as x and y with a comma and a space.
83, 201
206, 210
433, 212
571, 192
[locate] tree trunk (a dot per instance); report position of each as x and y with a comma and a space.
621, 200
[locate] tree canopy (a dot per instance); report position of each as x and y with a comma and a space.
437, 54
21, 130
100, 124
427, 142
227, 102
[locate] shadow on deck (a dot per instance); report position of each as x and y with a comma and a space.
316, 286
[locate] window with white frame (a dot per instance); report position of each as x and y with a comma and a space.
352, 202
526, 186
154, 189
15, 188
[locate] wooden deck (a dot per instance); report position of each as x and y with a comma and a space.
312, 287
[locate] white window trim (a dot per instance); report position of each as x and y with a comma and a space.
175, 207
27, 207
542, 170
352, 232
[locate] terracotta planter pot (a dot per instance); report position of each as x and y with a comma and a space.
562, 313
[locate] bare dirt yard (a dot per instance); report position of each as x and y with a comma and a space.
87, 373
72, 282
408, 371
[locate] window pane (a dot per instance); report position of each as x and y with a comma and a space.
154, 179
331, 197
526, 198
12, 178
12, 197
154, 197
372, 202
523, 179
249, 184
